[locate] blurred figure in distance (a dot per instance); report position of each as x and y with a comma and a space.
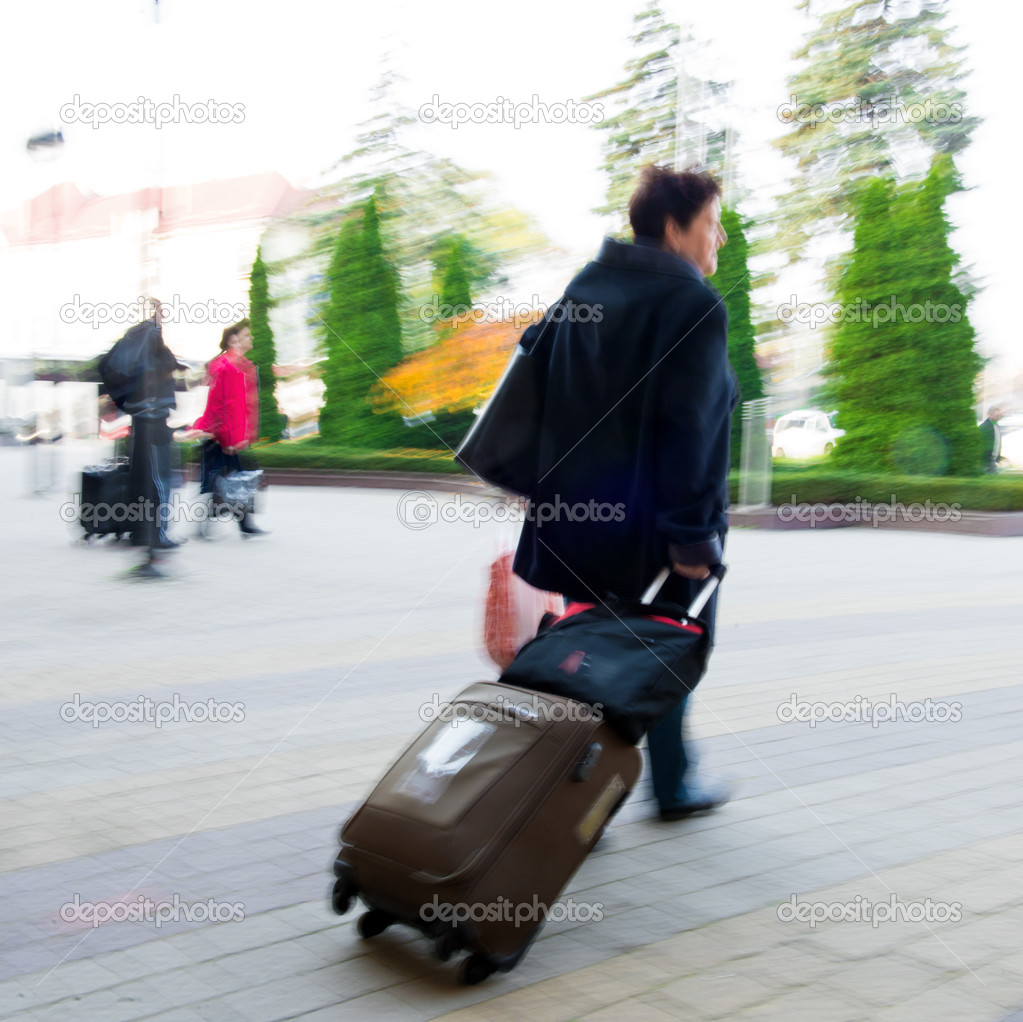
992, 438
230, 423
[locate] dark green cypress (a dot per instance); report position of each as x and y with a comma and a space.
361, 330
902, 366
732, 280
264, 354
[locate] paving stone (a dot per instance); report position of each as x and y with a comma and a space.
332, 675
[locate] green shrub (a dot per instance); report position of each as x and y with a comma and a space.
815, 484
315, 454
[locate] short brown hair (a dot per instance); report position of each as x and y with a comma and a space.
232, 331
663, 192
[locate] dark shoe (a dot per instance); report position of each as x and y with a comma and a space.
253, 530
168, 544
699, 802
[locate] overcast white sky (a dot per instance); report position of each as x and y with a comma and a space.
303, 71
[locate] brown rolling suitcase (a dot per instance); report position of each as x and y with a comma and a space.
474, 832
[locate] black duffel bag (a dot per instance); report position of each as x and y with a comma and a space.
633, 660
503, 445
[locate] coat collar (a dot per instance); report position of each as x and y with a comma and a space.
645, 254
232, 358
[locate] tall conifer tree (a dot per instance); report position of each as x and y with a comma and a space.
264, 353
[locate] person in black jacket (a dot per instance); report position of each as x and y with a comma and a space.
991, 438
634, 456
139, 375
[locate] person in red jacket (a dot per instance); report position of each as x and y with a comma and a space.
231, 420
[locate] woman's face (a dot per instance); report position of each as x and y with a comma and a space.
700, 241
242, 341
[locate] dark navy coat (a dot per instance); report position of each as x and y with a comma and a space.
634, 452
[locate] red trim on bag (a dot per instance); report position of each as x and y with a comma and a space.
571, 610
684, 625
577, 608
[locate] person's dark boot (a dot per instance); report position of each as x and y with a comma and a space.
250, 529
699, 801
168, 544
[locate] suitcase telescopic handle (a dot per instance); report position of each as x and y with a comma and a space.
717, 573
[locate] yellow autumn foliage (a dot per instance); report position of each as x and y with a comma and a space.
456, 373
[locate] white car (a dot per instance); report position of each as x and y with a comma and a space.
807, 433
1011, 430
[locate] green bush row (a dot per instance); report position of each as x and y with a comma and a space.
312, 454
807, 484
820, 485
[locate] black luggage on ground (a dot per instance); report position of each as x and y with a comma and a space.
105, 507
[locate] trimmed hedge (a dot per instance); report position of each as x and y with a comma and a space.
313, 454
819, 485
806, 484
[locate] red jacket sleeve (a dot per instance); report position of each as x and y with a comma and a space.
236, 427
210, 420
227, 407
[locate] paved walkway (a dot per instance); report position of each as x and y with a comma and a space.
332, 632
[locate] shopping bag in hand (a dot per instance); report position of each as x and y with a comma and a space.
513, 611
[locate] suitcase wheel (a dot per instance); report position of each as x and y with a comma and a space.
447, 943
341, 896
374, 922
475, 969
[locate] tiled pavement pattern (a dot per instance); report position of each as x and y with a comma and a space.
336, 629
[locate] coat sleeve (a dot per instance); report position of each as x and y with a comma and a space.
211, 420
694, 399
236, 411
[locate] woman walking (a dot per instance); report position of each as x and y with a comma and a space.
231, 420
